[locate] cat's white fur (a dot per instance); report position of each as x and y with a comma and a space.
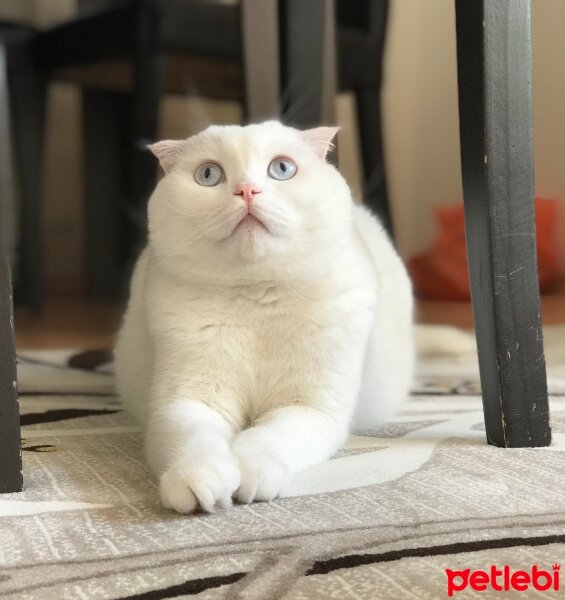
249, 354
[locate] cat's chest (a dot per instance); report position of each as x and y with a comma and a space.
253, 320
246, 314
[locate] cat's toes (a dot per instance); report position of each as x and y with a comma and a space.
176, 493
262, 479
208, 485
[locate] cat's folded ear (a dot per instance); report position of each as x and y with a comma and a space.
168, 152
320, 139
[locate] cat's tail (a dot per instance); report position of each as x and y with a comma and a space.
443, 340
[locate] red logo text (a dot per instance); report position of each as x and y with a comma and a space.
503, 579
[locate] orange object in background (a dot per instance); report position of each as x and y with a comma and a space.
441, 273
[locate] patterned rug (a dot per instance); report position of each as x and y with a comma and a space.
414, 510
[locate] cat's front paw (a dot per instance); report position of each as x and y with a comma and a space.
263, 478
209, 485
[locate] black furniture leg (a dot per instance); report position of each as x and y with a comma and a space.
27, 103
8, 202
104, 114
370, 135
10, 453
309, 62
260, 44
142, 167
120, 175
494, 68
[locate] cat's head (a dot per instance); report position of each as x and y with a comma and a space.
239, 202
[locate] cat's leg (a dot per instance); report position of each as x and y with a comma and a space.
284, 442
188, 446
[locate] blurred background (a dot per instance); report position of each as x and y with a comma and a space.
415, 120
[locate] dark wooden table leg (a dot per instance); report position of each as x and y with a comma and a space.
104, 114
10, 452
27, 102
370, 133
309, 62
8, 200
121, 173
260, 41
148, 66
494, 67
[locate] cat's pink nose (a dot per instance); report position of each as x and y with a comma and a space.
247, 191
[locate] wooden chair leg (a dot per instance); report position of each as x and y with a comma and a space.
148, 85
370, 135
120, 171
103, 114
8, 200
260, 29
494, 66
27, 102
309, 64
10, 453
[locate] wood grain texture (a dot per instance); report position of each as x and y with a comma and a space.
494, 68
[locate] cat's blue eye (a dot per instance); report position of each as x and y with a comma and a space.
282, 168
209, 174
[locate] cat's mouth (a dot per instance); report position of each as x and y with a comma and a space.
250, 222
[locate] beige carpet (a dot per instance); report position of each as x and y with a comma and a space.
383, 519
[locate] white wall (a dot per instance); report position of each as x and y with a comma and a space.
421, 116
548, 74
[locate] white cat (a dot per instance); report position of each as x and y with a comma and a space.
268, 316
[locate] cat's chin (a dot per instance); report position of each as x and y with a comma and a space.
256, 247
250, 239
249, 225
